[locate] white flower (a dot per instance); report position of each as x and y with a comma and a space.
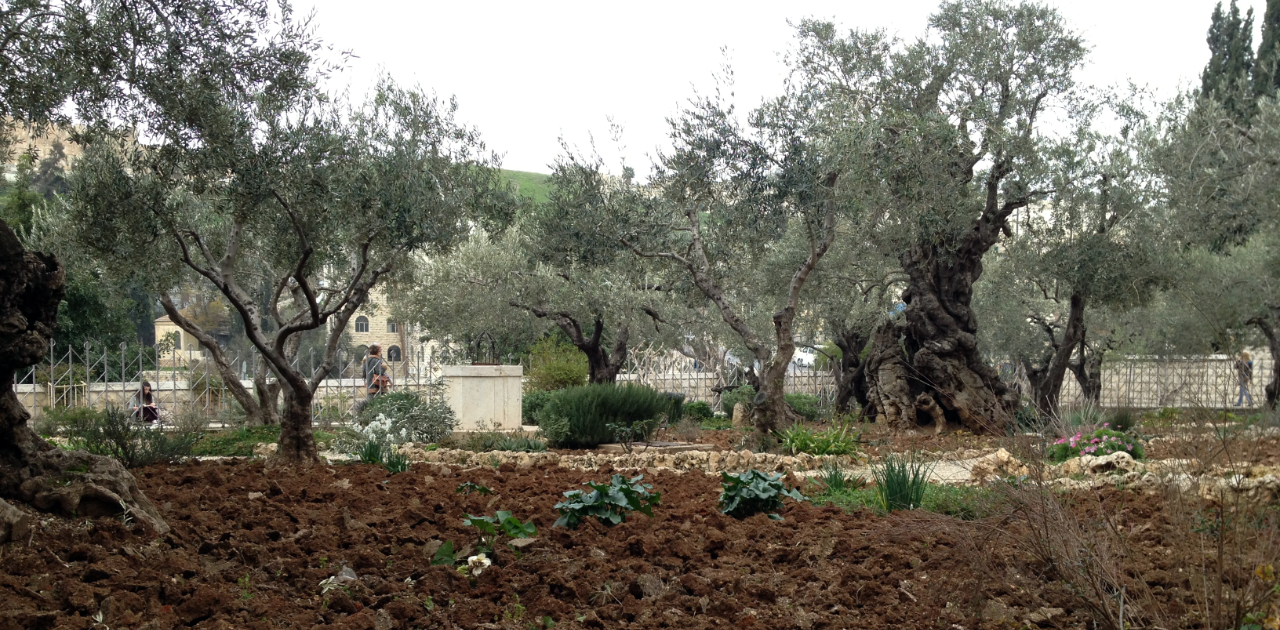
478, 563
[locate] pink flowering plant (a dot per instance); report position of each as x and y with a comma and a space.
1103, 441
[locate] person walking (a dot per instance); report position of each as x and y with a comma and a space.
376, 380
1244, 377
143, 405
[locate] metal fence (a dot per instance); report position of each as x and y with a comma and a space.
94, 376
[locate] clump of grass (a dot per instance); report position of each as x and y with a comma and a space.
962, 502
901, 482
835, 480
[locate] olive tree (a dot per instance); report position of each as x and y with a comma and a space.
92, 59
318, 199
1098, 242
959, 145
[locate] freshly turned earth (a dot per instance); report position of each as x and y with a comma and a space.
249, 548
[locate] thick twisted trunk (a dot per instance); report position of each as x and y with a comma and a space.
773, 411
851, 377
601, 366
1046, 380
930, 371
70, 483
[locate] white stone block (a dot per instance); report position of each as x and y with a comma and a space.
484, 397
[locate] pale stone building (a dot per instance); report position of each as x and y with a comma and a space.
187, 348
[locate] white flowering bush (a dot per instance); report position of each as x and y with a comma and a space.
398, 417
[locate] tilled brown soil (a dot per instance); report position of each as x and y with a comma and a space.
232, 561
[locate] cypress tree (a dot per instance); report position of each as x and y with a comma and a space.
1265, 78
1227, 76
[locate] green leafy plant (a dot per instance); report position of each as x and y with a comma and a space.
483, 442
900, 482
372, 452
745, 394
114, 434
555, 364
676, 410
1122, 420
444, 555
395, 462
627, 436
238, 442
807, 405
531, 403
717, 423
1101, 442
468, 487
835, 480
698, 410
609, 503
502, 522
836, 440
590, 410
753, 492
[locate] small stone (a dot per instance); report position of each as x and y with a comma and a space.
256, 495
265, 450
521, 543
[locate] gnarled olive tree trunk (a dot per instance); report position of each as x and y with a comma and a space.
70, 483
851, 374
1266, 325
1046, 379
927, 370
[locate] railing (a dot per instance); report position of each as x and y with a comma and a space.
96, 377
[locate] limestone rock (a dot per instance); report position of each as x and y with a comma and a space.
265, 450
14, 523
741, 419
1118, 462
998, 464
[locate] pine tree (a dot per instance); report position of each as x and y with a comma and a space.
1265, 77
1227, 76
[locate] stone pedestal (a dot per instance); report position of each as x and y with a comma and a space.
484, 397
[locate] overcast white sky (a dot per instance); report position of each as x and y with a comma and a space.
528, 73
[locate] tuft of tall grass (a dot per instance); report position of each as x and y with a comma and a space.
901, 482
835, 480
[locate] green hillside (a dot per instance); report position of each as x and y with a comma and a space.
532, 185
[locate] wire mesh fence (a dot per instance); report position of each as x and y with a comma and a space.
96, 376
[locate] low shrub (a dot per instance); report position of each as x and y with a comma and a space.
807, 405
963, 502
900, 482
531, 405
717, 423
745, 395
675, 411
836, 440
589, 411
555, 429
114, 434
1122, 420
1104, 441
237, 442
754, 492
834, 480
699, 410
609, 503
494, 441
398, 417
54, 421
555, 364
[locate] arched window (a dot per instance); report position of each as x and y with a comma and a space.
391, 325
393, 353
362, 324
